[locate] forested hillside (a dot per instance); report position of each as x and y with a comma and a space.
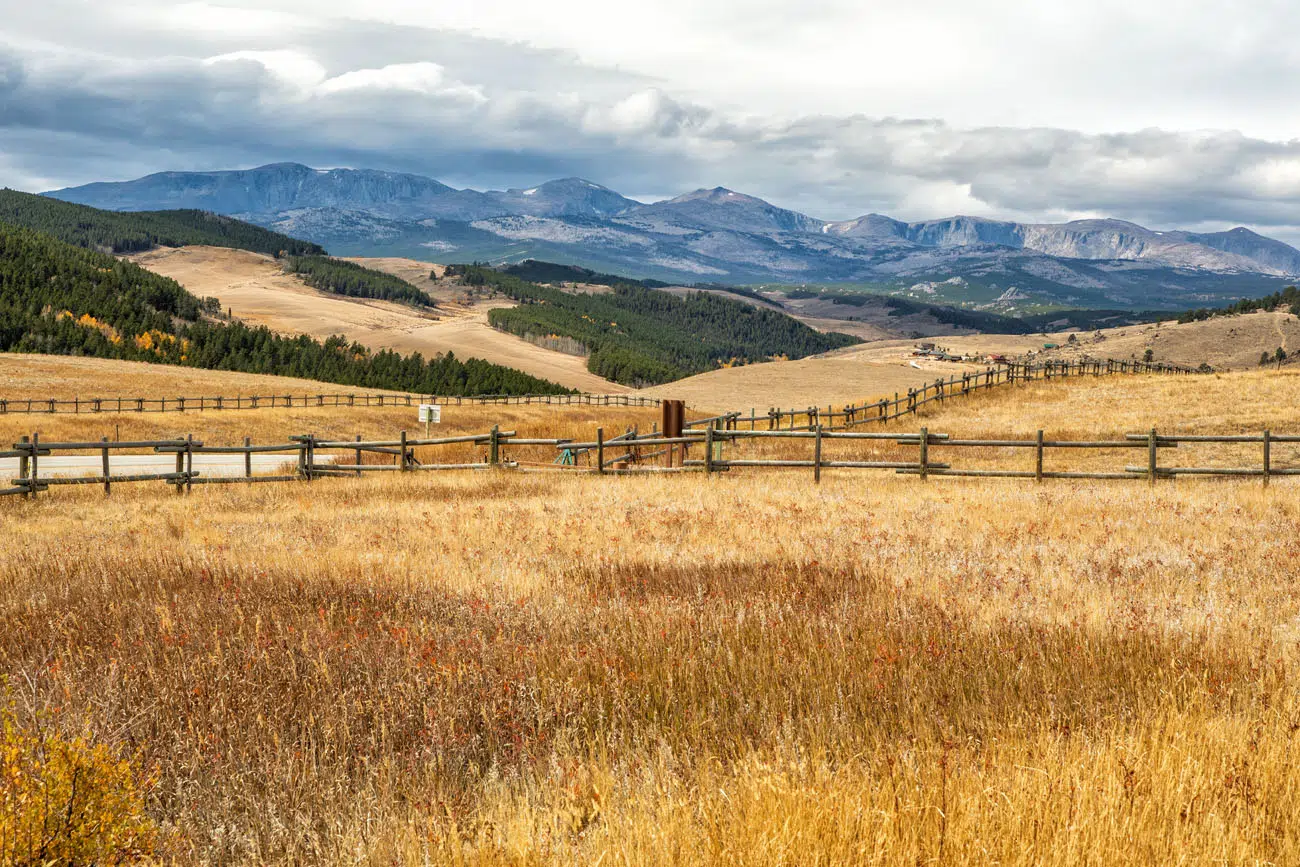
640, 336
1288, 297
536, 271
349, 278
60, 299
132, 232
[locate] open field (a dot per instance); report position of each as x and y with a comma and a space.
504, 669
64, 377
532, 670
883, 367
1226, 342
836, 378
256, 290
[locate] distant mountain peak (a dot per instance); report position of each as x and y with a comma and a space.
711, 232
716, 194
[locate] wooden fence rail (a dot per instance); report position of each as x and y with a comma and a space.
307, 457
965, 384
79, 405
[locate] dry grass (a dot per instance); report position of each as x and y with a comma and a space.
229, 427
502, 669
1245, 402
62, 377
1089, 408
542, 670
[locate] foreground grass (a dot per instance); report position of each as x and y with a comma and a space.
503, 669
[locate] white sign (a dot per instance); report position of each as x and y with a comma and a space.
430, 412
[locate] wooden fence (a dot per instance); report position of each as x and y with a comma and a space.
287, 401
965, 384
307, 457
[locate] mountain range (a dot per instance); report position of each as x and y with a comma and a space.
718, 235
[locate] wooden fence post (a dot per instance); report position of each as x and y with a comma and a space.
1268, 456
105, 462
189, 462
24, 465
180, 469
248, 457
600, 450
708, 450
403, 457
925, 454
1038, 466
817, 456
494, 445
359, 471
1151, 457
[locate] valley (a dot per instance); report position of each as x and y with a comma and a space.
256, 290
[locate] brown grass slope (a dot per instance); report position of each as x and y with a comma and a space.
62, 377
881, 368
257, 291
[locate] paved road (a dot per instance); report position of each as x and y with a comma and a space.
92, 465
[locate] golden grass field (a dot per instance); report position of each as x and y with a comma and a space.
64, 377
494, 668
881, 368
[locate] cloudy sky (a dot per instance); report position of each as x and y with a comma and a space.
1179, 113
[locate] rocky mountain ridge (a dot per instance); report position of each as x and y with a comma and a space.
721, 235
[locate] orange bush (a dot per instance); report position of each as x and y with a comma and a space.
68, 801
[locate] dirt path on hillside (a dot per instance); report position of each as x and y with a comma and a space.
258, 292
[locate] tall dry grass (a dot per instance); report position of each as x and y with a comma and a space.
229, 427
512, 669
1086, 409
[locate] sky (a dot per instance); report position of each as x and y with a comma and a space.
1177, 114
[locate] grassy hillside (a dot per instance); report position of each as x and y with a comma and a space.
638, 336
353, 280
60, 299
132, 232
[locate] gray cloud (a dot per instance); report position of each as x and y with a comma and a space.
488, 112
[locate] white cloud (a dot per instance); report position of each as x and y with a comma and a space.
1032, 111
424, 78
294, 68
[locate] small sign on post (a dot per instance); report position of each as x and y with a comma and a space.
430, 413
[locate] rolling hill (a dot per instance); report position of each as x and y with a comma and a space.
113, 232
57, 298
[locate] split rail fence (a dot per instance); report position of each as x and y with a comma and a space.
957, 385
304, 401
308, 457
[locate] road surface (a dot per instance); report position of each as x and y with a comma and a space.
126, 464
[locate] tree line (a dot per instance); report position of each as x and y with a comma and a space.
137, 231
640, 336
62, 299
1288, 297
348, 278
